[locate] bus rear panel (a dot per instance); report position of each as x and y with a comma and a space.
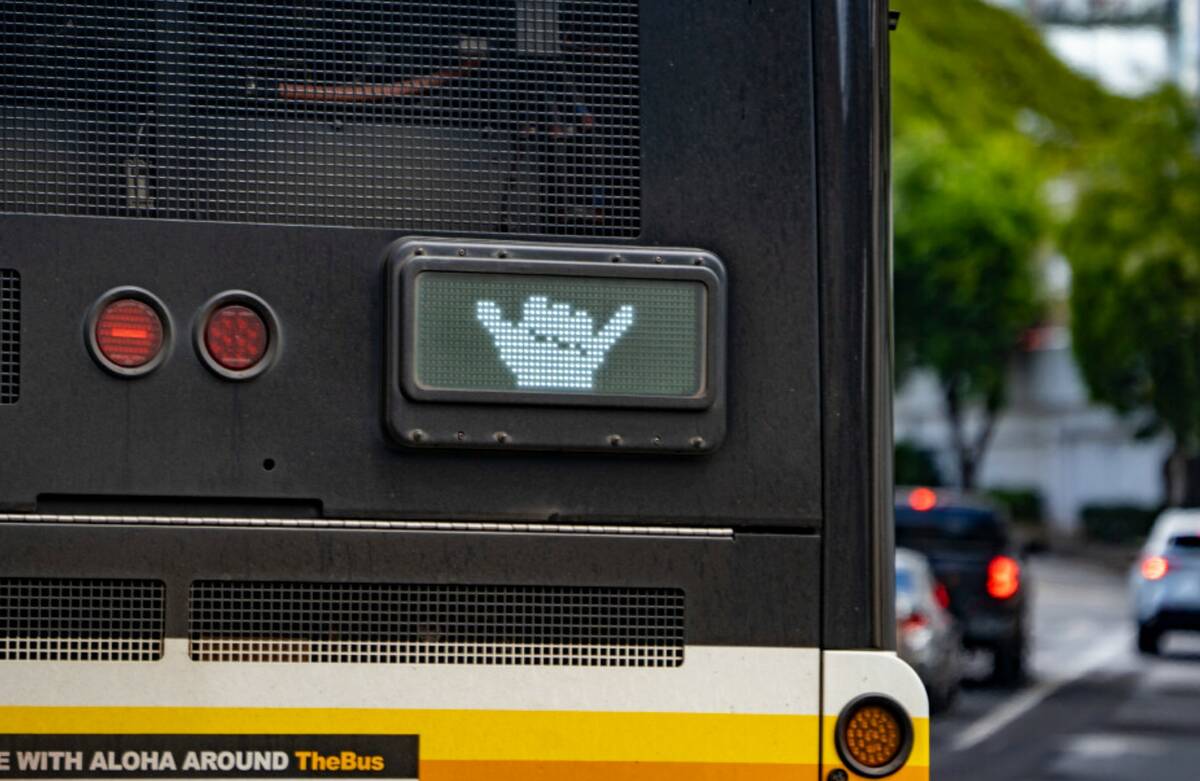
457, 389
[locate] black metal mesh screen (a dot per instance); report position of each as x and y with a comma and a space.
458, 115
76, 619
10, 336
238, 621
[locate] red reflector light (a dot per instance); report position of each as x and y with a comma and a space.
236, 337
1154, 568
129, 333
1003, 577
922, 499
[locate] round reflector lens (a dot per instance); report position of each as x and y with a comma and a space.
129, 333
874, 736
236, 337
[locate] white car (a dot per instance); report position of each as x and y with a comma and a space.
1166, 579
927, 635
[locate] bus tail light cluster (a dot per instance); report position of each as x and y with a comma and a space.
874, 736
130, 333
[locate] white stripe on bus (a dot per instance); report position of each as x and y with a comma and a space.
712, 679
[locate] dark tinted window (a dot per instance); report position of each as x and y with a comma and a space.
1186, 541
947, 524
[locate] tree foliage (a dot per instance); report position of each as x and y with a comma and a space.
1134, 247
984, 114
972, 69
968, 222
967, 225
1008, 116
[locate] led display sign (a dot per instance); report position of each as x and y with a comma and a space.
559, 335
547, 346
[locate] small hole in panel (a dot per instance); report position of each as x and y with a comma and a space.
268, 464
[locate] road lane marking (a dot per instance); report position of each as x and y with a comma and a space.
1105, 745
1021, 703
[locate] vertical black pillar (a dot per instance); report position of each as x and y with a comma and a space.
850, 52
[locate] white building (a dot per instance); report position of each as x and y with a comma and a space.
1129, 46
1186, 50
1049, 437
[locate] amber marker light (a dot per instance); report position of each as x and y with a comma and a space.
874, 736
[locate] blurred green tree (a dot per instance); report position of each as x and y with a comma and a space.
1134, 247
972, 69
984, 115
916, 465
968, 223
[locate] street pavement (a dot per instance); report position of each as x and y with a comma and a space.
1093, 708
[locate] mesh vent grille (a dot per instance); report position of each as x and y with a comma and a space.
469, 115
10, 336
55, 619
436, 624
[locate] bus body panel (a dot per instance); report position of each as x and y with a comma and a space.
723, 125
471, 722
199, 562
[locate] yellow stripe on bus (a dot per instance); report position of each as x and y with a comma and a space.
547, 736
483, 770
474, 745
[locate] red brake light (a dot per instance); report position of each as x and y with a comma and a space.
1154, 568
941, 595
236, 337
913, 622
1003, 577
922, 499
129, 333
